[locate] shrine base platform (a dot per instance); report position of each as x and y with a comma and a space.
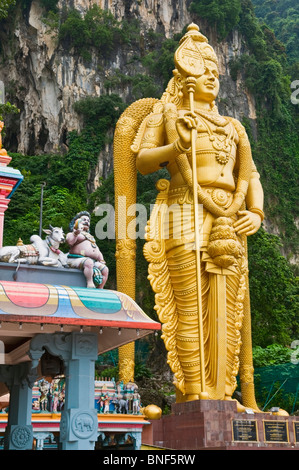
114, 431
216, 425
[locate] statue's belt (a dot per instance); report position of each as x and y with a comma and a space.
222, 197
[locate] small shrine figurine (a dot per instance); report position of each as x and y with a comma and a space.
84, 253
136, 402
44, 387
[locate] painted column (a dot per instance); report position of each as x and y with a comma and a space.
18, 432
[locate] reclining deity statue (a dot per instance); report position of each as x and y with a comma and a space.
84, 253
44, 252
196, 236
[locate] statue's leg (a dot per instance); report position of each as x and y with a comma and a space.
182, 271
88, 272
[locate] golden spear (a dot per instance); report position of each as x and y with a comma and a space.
190, 64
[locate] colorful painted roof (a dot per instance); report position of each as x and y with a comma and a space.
10, 179
55, 304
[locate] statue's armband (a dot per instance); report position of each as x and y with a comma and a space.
150, 134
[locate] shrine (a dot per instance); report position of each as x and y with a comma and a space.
53, 325
69, 327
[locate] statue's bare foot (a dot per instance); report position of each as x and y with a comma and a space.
240, 408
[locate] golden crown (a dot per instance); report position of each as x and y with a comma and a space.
193, 50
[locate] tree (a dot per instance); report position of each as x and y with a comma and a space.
273, 289
5, 6
224, 14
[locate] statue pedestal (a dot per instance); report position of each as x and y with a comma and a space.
216, 425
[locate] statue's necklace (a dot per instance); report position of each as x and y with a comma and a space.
90, 238
223, 147
212, 116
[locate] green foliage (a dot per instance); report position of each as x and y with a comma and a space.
277, 398
96, 30
160, 61
50, 5
99, 114
265, 71
5, 5
273, 292
110, 372
8, 108
22, 217
271, 355
276, 154
223, 14
141, 371
142, 86
66, 176
282, 16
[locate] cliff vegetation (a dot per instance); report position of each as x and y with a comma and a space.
265, 68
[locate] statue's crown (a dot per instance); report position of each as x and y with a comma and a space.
193, 50
194, 33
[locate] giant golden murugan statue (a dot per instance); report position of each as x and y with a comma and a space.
196, 235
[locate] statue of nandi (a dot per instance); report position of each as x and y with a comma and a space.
45, 252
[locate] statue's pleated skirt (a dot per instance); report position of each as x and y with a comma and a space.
218, 298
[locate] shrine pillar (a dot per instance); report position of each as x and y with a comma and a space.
79, 421
18, 432
78, 351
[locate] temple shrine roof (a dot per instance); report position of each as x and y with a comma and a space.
27, 309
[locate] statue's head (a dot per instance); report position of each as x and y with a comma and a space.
82, 216
194, 58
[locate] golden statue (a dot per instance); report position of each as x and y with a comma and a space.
196, 246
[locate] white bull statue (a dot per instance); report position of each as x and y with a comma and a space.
45, 252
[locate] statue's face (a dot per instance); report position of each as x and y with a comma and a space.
207, 85
85, 222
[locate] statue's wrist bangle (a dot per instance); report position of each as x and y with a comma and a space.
255, 210
179, 148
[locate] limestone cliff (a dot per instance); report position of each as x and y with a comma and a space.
45, 80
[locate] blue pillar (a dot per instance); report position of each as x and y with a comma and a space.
79, 421
18, 432
79, 351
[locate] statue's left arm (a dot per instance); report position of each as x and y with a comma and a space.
250, 220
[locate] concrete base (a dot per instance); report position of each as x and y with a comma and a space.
216, 425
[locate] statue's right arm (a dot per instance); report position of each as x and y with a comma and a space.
155, 152
151, 160
72, 237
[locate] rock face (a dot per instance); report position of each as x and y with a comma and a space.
44, 80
